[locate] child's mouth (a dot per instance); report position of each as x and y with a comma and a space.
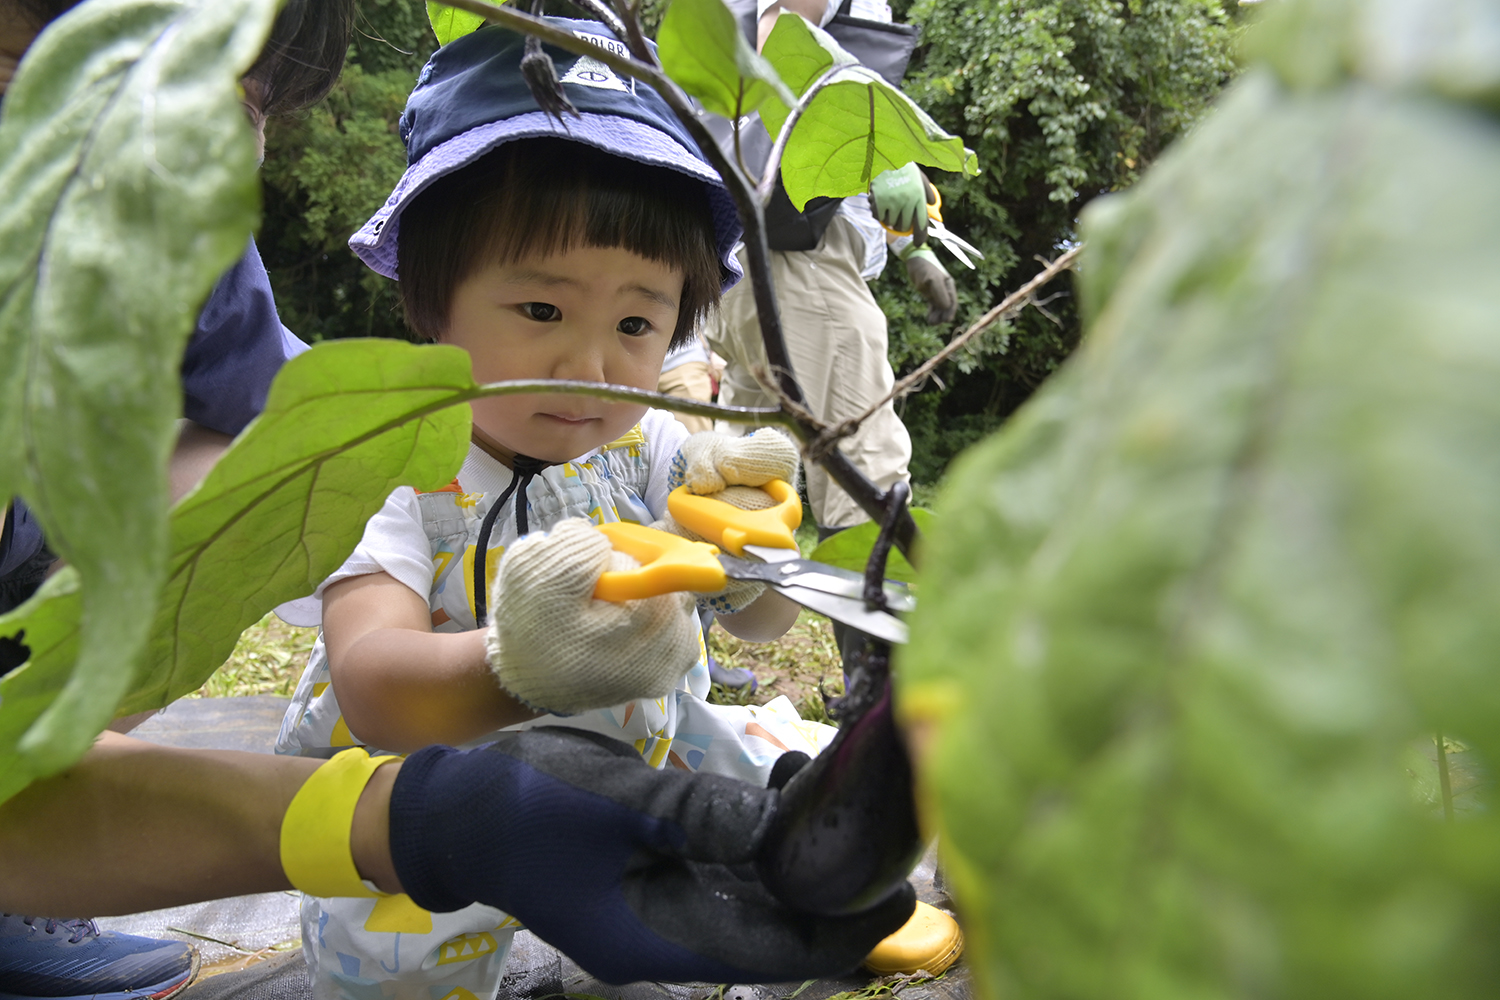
564, 418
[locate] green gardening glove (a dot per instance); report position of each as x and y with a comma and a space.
932, 282
899, 199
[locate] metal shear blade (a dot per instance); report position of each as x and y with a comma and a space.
828, 590
849, 611
953, 243
820, 576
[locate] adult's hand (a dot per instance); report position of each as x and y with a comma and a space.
899, 199
933, 283
635, 874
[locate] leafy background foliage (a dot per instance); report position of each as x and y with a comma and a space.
1195, 607
327, 170
1061, 101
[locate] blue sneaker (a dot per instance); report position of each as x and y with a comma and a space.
72, 959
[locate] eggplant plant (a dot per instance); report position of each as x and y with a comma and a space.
153, 165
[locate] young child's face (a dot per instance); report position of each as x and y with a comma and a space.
593, 313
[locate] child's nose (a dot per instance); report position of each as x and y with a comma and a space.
582, 362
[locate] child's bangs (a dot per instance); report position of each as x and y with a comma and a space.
586, 214
545, 196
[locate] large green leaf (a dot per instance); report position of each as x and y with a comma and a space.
449, 23
1183, 620
855, 127
345, 423
704, 51
128, 168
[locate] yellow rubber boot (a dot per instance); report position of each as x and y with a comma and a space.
931, 940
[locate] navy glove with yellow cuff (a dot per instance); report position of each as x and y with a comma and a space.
634, 873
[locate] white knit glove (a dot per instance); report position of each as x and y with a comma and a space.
556, 648
727, 468
710, 461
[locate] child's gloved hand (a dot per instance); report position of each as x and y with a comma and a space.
555, 647
710, 461
728, 469
635, 874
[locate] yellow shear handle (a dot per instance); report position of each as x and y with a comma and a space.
668, 563
731, 528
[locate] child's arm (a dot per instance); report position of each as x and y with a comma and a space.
400, 685
768, 617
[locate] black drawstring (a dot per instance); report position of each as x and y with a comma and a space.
524, 469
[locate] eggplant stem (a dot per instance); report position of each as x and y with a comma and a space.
895, 505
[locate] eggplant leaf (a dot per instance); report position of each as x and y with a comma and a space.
48, 624
345, 423
855, 127
703, 50
128, 168
449, 23
1184, 619
850, 548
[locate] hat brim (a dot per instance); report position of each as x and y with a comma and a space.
375, 242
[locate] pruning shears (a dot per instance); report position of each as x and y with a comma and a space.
753, 545
955, 245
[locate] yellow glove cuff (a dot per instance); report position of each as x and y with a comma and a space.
315, 831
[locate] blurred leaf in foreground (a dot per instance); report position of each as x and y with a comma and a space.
128, 168
1182, 621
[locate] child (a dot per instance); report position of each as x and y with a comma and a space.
546, 250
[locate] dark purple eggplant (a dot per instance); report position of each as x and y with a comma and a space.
845, 834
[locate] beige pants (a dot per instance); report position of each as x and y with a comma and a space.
836, 336
689, 380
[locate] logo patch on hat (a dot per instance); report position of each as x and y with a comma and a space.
588, 72
593, 73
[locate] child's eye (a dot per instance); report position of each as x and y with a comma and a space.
634, 326
542, 312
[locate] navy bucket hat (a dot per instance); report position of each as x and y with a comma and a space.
471, 98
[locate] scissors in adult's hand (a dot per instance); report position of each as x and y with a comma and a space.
937, 230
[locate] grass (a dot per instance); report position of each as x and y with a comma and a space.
271, 654
268, 660
801, 665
